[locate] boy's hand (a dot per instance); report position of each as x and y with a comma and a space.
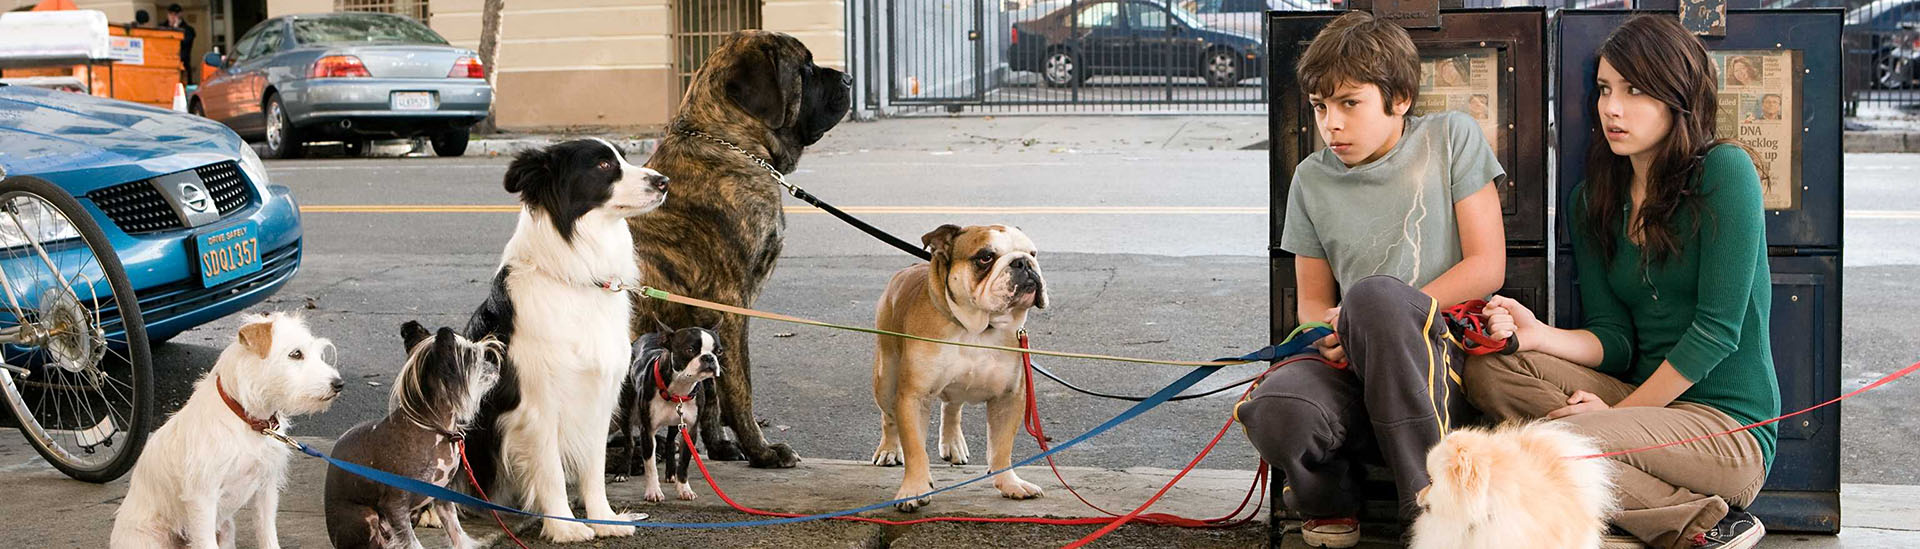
1329, 346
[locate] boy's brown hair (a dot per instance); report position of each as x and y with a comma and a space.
1357, 48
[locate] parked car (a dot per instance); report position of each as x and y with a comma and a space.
103, 200
1889, 32
350, 77
1131, 37
1245, 16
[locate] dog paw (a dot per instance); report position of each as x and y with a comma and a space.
724, 450
956, 452
426, 518
654, 495
886, 456
685, 492
1014, 488
912, 505
610, 531
560, 531
777, 456
619, 478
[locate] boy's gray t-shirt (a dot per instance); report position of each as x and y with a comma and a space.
1393, 216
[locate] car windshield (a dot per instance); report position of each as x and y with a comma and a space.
334, 29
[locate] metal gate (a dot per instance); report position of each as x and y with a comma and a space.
700, 26
1010, 56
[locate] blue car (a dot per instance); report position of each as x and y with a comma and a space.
117, 199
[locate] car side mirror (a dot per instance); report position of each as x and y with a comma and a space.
213, 59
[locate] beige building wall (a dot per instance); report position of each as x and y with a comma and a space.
585, 64
820, 24
276, 8
597, 64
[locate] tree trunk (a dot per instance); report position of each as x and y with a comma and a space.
490, 53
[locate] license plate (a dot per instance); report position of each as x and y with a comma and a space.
412, 101
228, 253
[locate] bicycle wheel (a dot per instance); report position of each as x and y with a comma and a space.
77, 373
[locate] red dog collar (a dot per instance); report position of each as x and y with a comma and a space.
662, 383
258, 425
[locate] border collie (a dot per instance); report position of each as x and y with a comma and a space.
567, 337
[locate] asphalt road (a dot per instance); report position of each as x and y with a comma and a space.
1148, 253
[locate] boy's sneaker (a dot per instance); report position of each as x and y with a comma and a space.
1615, 538
1333, 533
1739, 530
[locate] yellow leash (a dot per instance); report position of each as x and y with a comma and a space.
656, 293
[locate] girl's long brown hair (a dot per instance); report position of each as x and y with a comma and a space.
1658, 56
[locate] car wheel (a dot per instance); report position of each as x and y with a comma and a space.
283, 140
1062, 69
1220, 68
1892, 71
451, 143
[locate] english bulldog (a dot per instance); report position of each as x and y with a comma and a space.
978, 288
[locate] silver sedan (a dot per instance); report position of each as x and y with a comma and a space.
348, 77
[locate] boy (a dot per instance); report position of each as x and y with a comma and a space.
1399, 212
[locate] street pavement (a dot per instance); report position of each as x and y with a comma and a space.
1154, 235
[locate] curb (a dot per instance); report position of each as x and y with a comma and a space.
1882, 142
497, 147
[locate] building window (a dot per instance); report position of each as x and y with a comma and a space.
416, 9
701, 25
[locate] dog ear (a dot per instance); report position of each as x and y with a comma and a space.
529, 169
257, 336
445, 338
1470, 476
412, 333
761, 83
940, 241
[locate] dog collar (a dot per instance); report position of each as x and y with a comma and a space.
662, 383
449, 435
762, 162
272, 423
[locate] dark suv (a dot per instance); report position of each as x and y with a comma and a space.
1131, 37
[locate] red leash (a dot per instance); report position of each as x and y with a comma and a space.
1883, 381
1260, 483
1034, 427
461, 446
1470, 319
1150, 517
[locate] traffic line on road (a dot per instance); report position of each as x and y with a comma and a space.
865, 210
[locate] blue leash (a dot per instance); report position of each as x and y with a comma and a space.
1293, 345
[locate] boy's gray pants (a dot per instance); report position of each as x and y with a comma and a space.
1399, 394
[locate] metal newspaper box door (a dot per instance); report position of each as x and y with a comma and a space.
1780, 94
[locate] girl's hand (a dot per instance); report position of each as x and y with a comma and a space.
1581, 402
1506, 318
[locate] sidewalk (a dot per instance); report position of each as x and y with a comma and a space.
46, 507
1028, 134
1034, 134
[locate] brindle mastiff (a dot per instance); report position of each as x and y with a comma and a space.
719, 234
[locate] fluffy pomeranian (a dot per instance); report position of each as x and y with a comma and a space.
1517, 484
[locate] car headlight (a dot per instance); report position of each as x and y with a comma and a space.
36, 219
251, 165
